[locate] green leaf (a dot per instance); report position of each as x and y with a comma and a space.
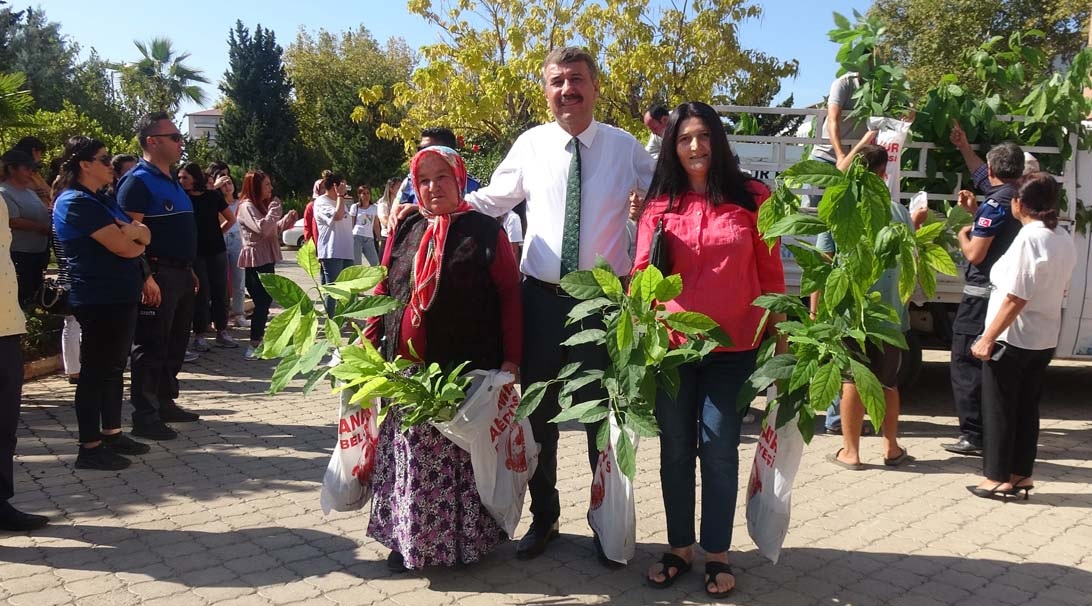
802, 374
669, 288
796, 225
314, 378
611, 285
690, 322
307, 258
596, 414
284, 291
369, 306
283, 373
928, 233
572, 385
361, 277
626, 453
586, 308
784, 304
624, 335
530, 399
813, 172
590, 335
279, 331
939, 260
825, 386
777, 368
313, 356
868, 386
574, 412
836, 287
644, 425
602, 437
644, 284
568, 370
332, 333
582, 285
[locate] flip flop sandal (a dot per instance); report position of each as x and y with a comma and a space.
669, 561
712, 569
902, 459
833, 458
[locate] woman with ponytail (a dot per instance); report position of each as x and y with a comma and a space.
102, 249
1022, 324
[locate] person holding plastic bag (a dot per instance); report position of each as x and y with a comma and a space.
455, 274
710, 235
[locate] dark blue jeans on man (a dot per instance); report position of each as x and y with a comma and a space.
159, 346
703, 421
331, 268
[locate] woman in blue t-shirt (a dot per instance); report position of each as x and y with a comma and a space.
102, 247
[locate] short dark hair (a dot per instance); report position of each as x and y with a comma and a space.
727, 183
216, 166
571, 54
1006, 160
1038, 194
331, 181
193, 169
29, 144
14, 158
146, 123
658, 112
443, 135
119, 161
874, 156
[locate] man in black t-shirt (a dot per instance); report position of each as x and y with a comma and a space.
982, 243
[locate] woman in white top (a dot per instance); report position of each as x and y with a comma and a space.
365, 227
1022, 324
383, 210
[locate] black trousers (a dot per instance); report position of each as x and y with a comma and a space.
262, 300
212, 296
544, 314
966, 371
11, 392
105, 343
29, 272
159, 346
1011, 390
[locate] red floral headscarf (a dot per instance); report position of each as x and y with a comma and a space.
430, 252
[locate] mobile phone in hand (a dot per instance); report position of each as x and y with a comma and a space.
998, 349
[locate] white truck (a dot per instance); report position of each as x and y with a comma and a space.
931, 318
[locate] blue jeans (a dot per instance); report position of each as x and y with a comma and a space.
330, 270
703, 421
364, 248
236, 275
834, 413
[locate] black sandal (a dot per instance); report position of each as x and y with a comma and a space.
712, 569
396, 563
668, 561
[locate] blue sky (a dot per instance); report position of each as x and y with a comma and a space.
788, 29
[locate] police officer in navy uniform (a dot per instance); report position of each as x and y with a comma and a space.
982, 243
150, 193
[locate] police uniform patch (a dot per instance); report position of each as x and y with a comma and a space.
993, 203
984, 222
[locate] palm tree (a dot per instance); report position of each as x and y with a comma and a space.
15, 103
160, 79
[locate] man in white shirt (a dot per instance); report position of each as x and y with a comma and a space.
570, 227
513, 227
656, 119
334, 227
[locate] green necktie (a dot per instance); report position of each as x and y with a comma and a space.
570, 239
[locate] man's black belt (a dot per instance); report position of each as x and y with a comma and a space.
548, 286
169, 262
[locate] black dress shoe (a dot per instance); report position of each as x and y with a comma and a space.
16, 521
100, 458
602, 557
124, 445
963, 447
177, 414
533, 544
154, 431
396, 563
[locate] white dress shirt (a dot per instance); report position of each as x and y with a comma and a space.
1037, 268
536, 169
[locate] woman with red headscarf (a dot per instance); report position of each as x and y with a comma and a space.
455, 274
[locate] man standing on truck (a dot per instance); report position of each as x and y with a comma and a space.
839, 127
982, 243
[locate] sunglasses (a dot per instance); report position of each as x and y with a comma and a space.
104, 160
176, 137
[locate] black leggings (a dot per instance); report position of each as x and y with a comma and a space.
105, 343
1011, 390
212, 297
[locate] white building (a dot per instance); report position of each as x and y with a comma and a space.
202, 123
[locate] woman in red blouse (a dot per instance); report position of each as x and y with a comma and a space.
710, 211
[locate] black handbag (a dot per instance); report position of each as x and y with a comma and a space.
53, 297
657, 251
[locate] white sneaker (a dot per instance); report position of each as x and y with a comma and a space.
199, 344
223, 339
251, 353
190, 356
242, 322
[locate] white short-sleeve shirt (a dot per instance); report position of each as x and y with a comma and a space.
1037, 268
334, 238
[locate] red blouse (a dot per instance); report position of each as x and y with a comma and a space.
506, 278
723, 262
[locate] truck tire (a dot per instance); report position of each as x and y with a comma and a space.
911, 361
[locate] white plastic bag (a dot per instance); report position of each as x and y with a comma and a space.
347, 483
611, 512
503, 453
769, 492
892, 137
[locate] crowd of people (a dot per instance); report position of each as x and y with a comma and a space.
155, 261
